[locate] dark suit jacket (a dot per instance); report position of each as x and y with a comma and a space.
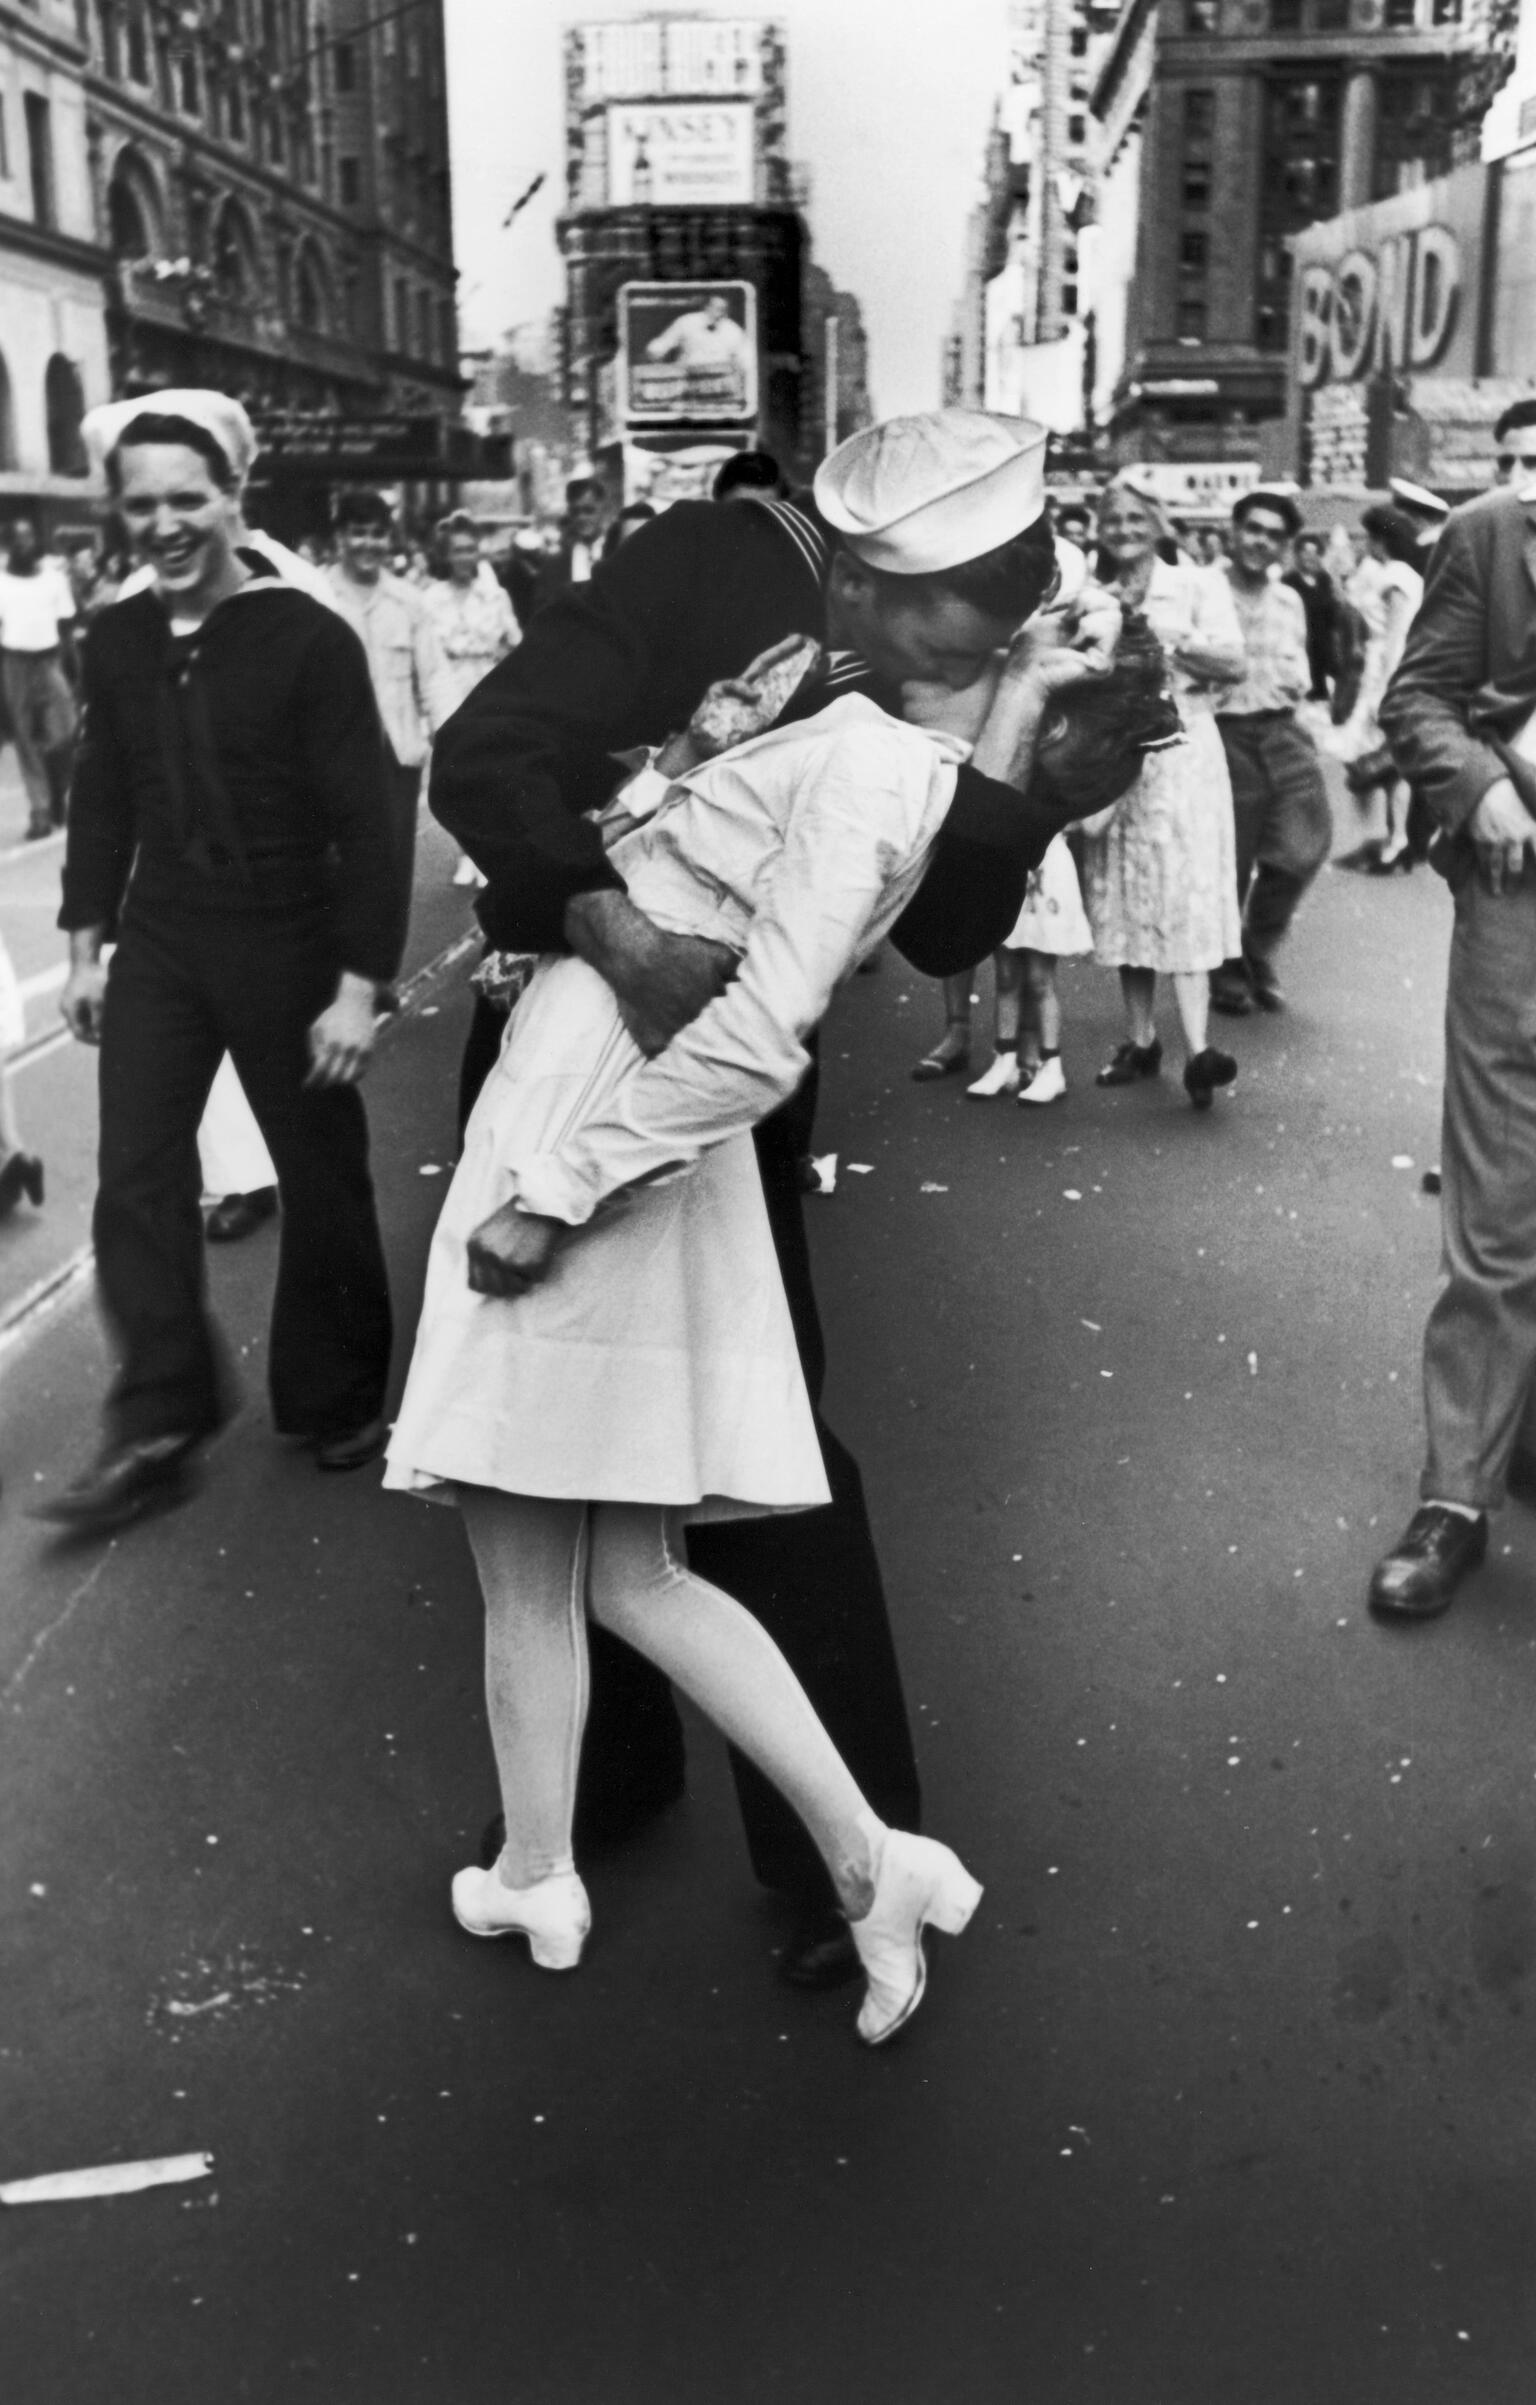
1467, 679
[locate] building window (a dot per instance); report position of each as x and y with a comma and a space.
187, 95
447, 333
1197, 184
1076, 132
64, 405
138, 49
1194, 249
402, 315
1401, 15
1332, 16
1285, 16
1446, 12
234, 110
1079, 41
1192, 318
346, 67
1414, 136
39, 123
1298, 183
349, 182
1200, 16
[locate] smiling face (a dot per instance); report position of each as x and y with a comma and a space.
1127, 531
911, 629
364, 550
180, 520
462, 554
1258, 541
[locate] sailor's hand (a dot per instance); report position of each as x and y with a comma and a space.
341, 1040
82, 1000
511, 1251
661, 982
1502, 831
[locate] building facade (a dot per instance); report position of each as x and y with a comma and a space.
695, 323
53, 334
1255, 119
272, 184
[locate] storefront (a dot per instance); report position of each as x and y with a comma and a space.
1415, 327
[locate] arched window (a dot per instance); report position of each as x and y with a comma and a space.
312, 292
235, 256
64, 403
7, 419
133, 208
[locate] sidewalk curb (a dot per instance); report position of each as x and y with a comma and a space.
51, 1293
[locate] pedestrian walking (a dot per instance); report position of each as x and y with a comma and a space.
475, 624
230, 830
924, 550
1160, 880
1282, 822
411, 681
1314, 588
21, 1172
1461, 717
1386, 589
37, 660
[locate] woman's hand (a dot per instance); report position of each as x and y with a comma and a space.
511, 1251
1058, 648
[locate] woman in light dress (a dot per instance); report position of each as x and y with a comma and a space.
1386, 588
1160, 877
1026, 1038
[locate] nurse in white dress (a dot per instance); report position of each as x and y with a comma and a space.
646, 1372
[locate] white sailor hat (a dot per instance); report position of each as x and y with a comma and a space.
917, 495
1419, 497
216, 412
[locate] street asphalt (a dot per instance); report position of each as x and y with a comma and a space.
1224, 2099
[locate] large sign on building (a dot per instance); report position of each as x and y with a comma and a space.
676, 153
687, 354
643, 58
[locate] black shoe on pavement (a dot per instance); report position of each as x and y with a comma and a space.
1233, 1001
1205, 1072
21, 1173
353, 1448
1265, 986
151, 1474
237, 1215
1420, 1575
1128, 1062
821, 1952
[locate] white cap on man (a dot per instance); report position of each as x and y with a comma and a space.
218, 414
1418, 498
917, 495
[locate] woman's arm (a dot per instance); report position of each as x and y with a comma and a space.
855, 828
1213, 651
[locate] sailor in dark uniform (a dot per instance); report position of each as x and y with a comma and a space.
926, 546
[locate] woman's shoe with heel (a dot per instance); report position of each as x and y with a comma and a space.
919, 1885
554, 1914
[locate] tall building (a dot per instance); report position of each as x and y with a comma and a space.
1254, 119
687, 329
53, 339
272, 181
1022, 337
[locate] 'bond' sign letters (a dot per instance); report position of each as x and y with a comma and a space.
1394, 306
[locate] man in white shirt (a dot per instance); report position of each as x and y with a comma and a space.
37, 630
411, 682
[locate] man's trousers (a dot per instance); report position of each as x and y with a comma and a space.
1282, 822
1480, 1343
43, 718
812, 1578
188, 982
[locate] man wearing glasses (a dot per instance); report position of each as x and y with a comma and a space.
1460, 715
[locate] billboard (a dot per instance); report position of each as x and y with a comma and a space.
650, 57
687, 354
678, 153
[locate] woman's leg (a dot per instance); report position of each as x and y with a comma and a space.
1138, 987
1001, 1076
10, 1132
1399, 795
531, 1554
953, 1048
726, 1662
1039, 971
1192, 994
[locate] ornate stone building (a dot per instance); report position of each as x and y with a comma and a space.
271, 182
53, 343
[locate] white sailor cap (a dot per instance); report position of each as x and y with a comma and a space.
216, 412
1419, 497
917, 495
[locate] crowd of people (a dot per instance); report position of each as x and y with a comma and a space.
730, 752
